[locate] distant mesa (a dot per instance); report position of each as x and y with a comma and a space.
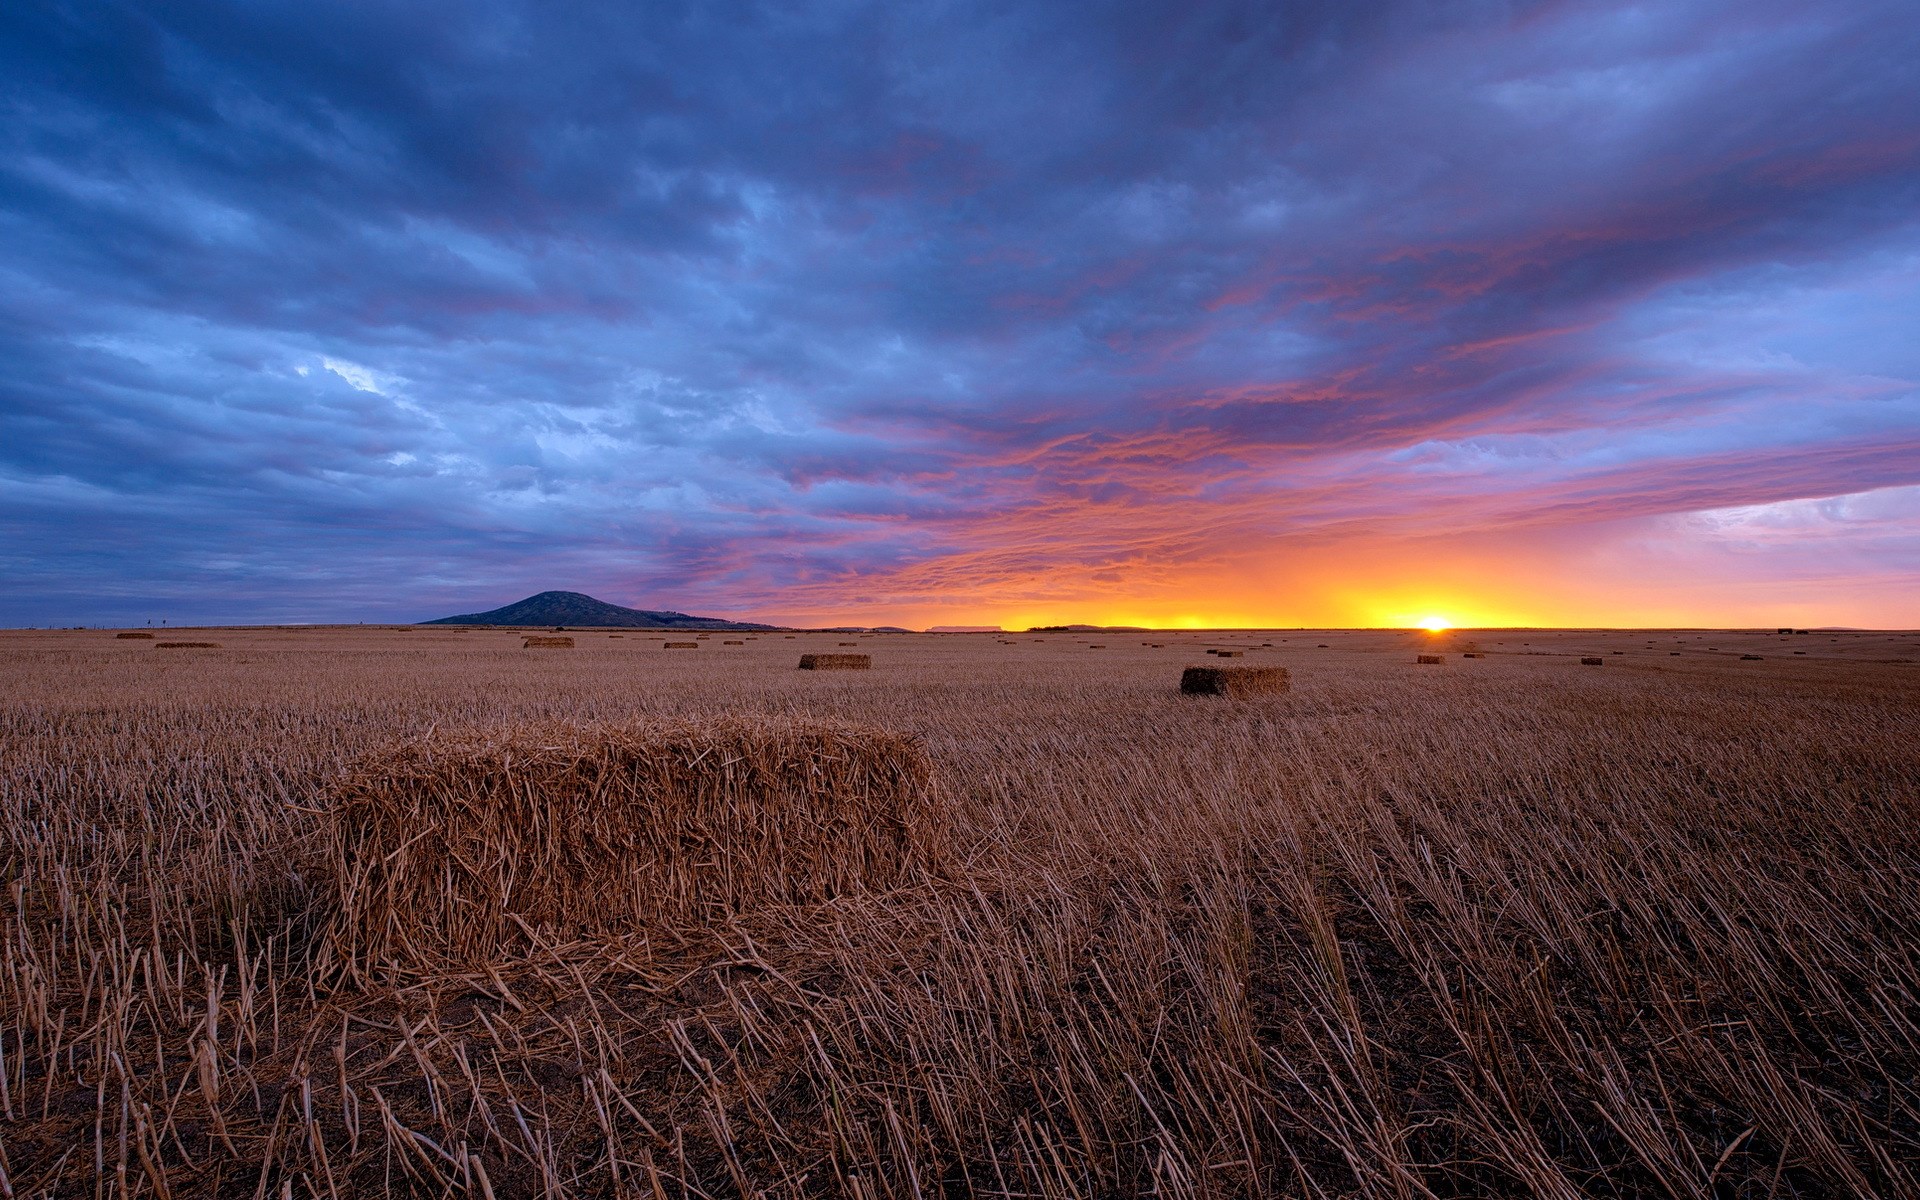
575, 608
964, 629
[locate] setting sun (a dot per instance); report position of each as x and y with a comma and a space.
1435, 625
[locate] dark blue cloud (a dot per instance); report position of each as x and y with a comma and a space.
330, 310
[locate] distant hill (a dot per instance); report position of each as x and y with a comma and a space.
575, 608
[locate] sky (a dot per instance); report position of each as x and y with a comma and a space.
1179, 313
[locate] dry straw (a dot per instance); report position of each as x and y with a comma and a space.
836, 662
1238, 682
537, 642
134, 634
462, 848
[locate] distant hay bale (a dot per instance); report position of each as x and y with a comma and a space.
836, 662
847, 643
1235, 682
534, 641
186, 645
1099, 647
134, 634
733, 643
465, 847
1324, 646
682, 646
1749, 658
616, 635
1472, 654
1429, 660
1592, 662
1231, 653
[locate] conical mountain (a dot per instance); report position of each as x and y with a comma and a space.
577, 608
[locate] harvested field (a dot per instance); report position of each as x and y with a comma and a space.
836, 662
1511, 931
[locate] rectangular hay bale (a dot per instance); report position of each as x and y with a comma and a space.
681, 646
186, 645
537, 642
1592, 662
1429, 660
1237, 682
464, 847
836, 662
134, 634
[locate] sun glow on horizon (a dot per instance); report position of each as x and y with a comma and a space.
1435, 624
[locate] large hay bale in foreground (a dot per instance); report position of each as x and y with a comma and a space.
1237, 682
463, 847
836, 662
537, 642
131, 633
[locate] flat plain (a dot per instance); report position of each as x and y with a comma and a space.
1504, 925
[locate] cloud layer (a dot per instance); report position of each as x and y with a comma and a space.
1316, 313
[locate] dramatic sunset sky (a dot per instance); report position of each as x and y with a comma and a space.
1325, 313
